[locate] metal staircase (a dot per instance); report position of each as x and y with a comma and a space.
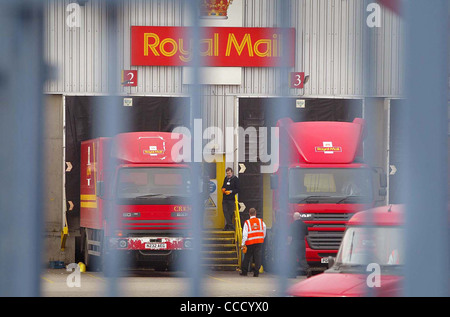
220, 251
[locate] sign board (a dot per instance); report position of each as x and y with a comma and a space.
129, 78
219, 46
297, 80
211, 202
127, 102
214, 75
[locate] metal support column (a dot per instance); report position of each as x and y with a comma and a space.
21, 117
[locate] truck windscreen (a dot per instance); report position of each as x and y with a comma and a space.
330, 185
382, 245
149, 185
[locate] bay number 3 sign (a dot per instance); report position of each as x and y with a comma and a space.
296, 79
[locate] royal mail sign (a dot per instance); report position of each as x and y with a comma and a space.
219, 46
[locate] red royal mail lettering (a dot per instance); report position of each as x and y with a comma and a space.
245, 47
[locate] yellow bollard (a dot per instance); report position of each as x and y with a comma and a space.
64, 234
82, 267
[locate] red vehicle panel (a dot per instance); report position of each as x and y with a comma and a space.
382, 235
328, 181
345, 285
91, 172
135, 178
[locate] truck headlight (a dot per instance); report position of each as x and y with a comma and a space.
123, 244
187, 244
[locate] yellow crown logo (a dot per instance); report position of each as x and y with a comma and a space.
215, 9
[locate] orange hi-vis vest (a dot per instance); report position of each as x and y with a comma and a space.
255, 231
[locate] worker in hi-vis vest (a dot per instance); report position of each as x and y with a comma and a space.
253, 235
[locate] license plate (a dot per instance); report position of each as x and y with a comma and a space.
156, 246
324, 260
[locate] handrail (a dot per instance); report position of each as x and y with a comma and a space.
238, 230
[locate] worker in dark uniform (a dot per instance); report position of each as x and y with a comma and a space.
297, 248
230, 188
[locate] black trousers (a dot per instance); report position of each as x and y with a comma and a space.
228, 212
253, 251
297, 256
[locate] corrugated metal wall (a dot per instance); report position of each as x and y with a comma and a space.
328, 48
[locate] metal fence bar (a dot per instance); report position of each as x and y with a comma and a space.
21, 112
281, 251
369, 115
109, 121
194, 260
425, 120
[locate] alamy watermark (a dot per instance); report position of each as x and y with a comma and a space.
374, 278
374, 18
207, 141
74, 278
73, 19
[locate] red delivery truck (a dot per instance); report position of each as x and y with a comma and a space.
370, 260
328, 181
134, 178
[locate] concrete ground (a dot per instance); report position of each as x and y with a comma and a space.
142, 283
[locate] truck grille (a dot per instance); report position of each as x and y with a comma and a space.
324, 240
154, 226
154, 223
136, 233
332, 216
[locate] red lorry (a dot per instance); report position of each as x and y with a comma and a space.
134, 178
328, 181
370, 259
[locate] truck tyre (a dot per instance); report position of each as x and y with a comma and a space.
268, 253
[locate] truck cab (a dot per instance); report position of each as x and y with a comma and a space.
135, 199
328, 181
369, 262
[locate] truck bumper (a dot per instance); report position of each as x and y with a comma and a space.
315, 257
150, 243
